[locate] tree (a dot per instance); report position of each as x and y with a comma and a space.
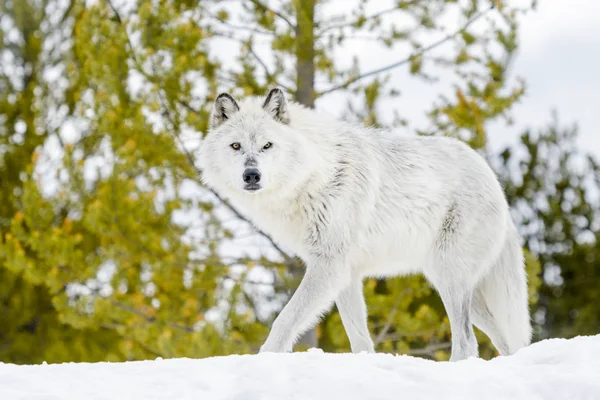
553, 187
118, 232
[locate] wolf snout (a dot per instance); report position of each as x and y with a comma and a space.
251, 176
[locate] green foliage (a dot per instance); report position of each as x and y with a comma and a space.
105, 255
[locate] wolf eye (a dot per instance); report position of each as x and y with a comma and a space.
235, 146
268, 145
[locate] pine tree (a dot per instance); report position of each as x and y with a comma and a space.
553, 188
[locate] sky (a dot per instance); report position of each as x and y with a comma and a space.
559, 59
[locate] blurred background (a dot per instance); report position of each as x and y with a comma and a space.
112, 249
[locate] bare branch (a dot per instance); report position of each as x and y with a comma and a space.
429, 350
408, 59
406, 334
279, 14
133, 310
388, 323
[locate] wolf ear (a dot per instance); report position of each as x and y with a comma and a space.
276, 106
225, 106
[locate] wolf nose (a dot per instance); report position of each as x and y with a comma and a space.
251, 175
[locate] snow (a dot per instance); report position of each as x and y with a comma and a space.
551, 369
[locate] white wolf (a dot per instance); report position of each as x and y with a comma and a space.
354, 202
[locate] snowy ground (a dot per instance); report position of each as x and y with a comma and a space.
553, 369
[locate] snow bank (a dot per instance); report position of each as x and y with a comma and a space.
552, 369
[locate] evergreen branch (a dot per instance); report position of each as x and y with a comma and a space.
408, 59
289, 260
240, 27
129, 43
279, 14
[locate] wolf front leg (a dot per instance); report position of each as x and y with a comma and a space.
320, 287
353, 310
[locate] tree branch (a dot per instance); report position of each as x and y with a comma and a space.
288, 259
279, 14
268, 75
240, 27
390, 319
401, 335
429, 350
360, 20
133, 310
408, 59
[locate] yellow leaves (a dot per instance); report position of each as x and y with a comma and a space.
154, 106
129, 145
462, 57
462, 100
467, 114
533, 268
248, 90
416, 62
370, 284
100, 95
67, 225
190, 307
19, 216
54, 271
18, 248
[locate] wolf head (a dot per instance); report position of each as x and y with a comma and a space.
251, 147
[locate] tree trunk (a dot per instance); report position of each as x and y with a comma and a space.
305, 81
305, 51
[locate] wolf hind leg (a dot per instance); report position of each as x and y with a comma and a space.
353, 310
457, 296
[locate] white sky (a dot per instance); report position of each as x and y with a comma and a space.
560, 61
559, 58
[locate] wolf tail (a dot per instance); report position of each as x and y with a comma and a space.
500, 302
